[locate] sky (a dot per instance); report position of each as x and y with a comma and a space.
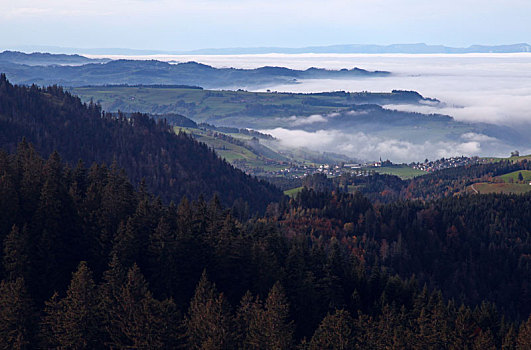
186, 25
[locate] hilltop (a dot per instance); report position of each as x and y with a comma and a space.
151, 72
45, 59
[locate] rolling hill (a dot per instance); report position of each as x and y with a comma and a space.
135, 72
348, 112
45, 59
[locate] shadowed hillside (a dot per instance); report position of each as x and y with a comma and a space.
172, 165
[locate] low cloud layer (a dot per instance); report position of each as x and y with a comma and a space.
473, 88
363, 146
492, 88
298, 121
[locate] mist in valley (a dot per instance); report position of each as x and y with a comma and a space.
475, 89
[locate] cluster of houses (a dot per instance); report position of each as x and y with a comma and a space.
444, 163
294, 170
331, 170
301, 170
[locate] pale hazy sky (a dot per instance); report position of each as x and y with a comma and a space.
178, 25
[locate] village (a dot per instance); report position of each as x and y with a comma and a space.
299, 171
444, 163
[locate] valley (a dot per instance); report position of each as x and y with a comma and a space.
265, 175
354, 125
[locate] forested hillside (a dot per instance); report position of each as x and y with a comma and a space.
94, 257
171, 165
474, 247
88, 262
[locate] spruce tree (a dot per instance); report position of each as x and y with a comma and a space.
16, 316
523, 342
271, 329
249, 309
484, 341
336, 332
509, 340
141, 322
209, 323
74, 322
109, 297
16, 253
163, 267
29, 178
9, 201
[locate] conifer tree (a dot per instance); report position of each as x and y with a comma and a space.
141, 322
16, 253
390, 329
463, 328
74, 322
272, 328
127, 243
209, 324
28, 167
60, 244
16, 316
9, 202
509, 340
49, 322
162, 263
484, 341
524, 336
336, 332
109, 297
249, 309
214, 215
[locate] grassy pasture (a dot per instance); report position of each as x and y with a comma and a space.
402, 171
513, 177
506, 188
293, 192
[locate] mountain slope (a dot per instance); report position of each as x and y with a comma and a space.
45, 59
135, 72
172, 165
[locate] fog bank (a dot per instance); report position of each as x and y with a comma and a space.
359, 145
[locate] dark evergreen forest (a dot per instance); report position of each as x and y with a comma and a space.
171, 165
95, 258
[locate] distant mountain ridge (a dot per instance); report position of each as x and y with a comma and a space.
45, 59
412, 48
419, 48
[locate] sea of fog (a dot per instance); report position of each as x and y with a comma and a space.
491, 88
